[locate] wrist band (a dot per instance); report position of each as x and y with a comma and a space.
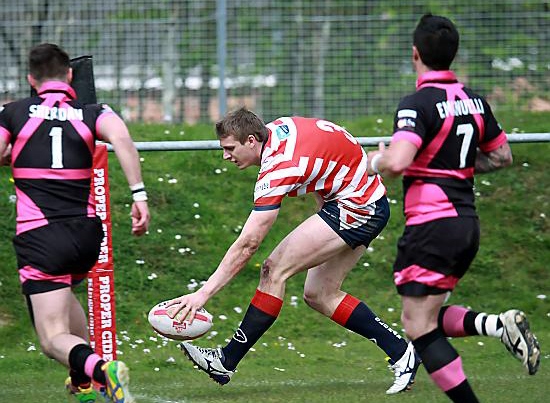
374, 162
138, 192
139, 195
137, 186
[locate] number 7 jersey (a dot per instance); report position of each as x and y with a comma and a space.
53, 139
447, 122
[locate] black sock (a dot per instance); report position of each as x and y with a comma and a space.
357, 317
444, 366
78, 356
260, 315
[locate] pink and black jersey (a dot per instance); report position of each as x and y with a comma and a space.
53, 139
304, 155
447, 122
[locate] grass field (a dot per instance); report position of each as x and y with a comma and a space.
199, 203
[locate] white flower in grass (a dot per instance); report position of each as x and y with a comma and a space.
159, 231
290, 346
302, 355
167, 132
171, 359
238, 309
525, 164
141, 159
140, 261
133, 345
478, 194
32, 347
173, 180
125, 338
152, 276
118, 342
252, 349
541, 296
281, 338
196, 205
266, 345
152, 338
197, 216
118, 352
486, 182
12, 198
370, 249
2, 357
177, 236
217, 171
480, 343
138, 341
391, 309
379, 121
542, 215
182, 132
156, 369
224, 169
366, 264
161, 179
222, 317
146, 351
279, 369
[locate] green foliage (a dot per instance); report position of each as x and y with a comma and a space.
298, 359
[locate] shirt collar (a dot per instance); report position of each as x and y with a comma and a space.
57, 86
436, 76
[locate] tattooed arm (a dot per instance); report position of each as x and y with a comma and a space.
493, 160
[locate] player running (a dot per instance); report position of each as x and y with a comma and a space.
52, 138
443, 133
296, 156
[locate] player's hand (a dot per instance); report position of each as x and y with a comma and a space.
140, 217
370, 156
186, 306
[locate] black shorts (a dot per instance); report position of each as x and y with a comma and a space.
432, 257
366, 226
58, 254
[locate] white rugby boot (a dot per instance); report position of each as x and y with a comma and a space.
404, 371
519, 340
208, 360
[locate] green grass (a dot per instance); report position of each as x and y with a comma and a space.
510, 270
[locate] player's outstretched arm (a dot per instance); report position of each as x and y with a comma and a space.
113, 130
237, 256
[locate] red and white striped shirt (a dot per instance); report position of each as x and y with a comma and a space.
304, 155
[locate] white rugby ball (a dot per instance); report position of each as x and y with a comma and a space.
173, 328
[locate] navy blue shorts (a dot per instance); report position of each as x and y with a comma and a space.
58, 254
433, 257
360, 230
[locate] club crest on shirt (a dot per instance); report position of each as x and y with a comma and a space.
282, 132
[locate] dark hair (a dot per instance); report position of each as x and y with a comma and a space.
48, 61
436, 39
240, 124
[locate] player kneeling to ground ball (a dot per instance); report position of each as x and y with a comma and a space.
58, 236
297, 156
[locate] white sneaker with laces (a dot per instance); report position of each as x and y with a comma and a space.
404, 370
519, 340
208, 360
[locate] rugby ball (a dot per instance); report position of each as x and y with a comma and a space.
174, 328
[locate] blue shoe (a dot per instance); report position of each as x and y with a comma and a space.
117, 379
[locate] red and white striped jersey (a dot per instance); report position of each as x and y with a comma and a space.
304, 155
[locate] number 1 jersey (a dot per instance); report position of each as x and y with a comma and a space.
53, 140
